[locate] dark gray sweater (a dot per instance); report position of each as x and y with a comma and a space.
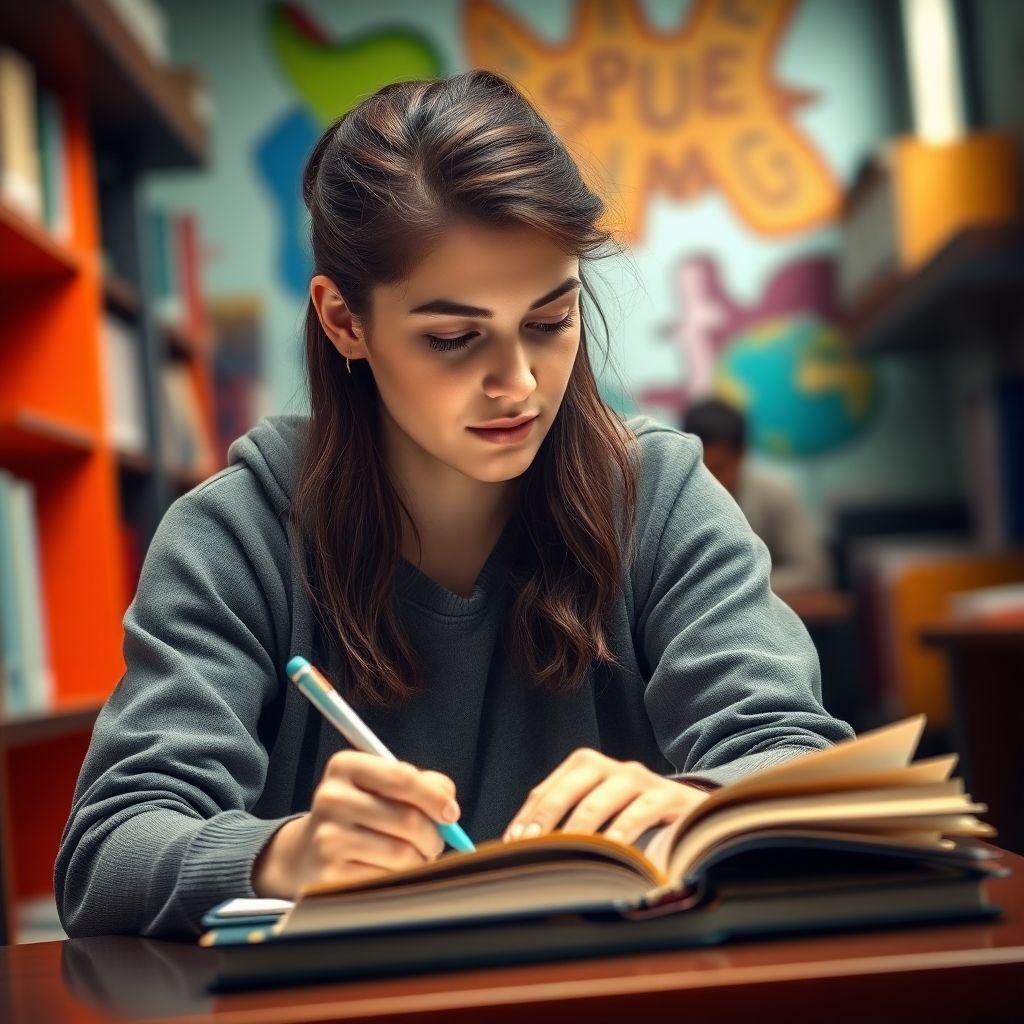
204, 749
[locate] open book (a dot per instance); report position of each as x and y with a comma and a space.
852, 834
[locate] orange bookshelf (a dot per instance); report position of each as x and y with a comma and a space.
119, 105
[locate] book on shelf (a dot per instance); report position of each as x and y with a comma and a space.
237, 330
173, 239
53, 165
851, 836
167, 301
25, 667
19, 139
186, 443
124, 399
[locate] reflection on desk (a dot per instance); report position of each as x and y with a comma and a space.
972, 971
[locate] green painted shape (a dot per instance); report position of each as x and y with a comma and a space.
332, 78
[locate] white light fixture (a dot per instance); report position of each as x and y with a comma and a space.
933, 70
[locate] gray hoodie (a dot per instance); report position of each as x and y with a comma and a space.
204, 748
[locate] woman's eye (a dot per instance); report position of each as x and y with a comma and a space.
562, 325
449, 344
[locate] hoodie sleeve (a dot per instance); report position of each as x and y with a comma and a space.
160, 827
735, 684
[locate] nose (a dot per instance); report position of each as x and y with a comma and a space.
511, 376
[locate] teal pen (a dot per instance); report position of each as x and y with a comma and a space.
337, 711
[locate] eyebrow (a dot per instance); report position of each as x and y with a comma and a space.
446, 307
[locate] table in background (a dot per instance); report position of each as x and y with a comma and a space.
986, 672
831, 620
971, 971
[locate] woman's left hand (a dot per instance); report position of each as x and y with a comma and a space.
596, 788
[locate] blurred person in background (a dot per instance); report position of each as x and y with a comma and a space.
772, 506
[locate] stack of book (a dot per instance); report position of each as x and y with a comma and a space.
852, 836
33, 161
26, 677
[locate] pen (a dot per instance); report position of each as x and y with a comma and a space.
337, 711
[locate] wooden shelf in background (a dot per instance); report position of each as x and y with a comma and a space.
121, 296
29, 436
134, 102
974, 279
31, 727
1000, 634
29, 252
820, 607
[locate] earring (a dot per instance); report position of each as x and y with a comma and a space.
348, 364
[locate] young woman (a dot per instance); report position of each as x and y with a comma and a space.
555, 617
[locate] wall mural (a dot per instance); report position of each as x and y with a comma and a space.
676, 113
783, 360
327, 78
659, 113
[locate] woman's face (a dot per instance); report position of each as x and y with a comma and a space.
486, 327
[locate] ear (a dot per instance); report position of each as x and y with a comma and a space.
339, 323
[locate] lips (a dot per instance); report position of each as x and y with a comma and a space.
506, 424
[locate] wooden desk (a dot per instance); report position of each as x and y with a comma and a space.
820, 607
831, 620
987, 680
963, 972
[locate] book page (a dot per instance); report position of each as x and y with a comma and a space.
888, 748
519, 853
941, 806
764, 786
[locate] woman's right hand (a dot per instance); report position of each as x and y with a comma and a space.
368, 816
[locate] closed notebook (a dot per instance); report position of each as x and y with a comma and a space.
849, 836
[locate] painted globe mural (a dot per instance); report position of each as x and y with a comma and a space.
802, 390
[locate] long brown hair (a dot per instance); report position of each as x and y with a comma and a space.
380, 185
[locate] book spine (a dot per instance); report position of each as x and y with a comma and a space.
53, 161
19, 142
167, 304
10, 602
187, 235
126, 425
16, 690
38, 684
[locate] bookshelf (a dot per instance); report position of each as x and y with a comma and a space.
124, 114
974, 280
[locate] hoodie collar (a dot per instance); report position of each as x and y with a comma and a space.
272, 450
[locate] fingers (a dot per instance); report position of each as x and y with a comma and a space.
350, 852
551, 800
657, 803
347, 805
604, 800
591, 791
431, 792
654, 807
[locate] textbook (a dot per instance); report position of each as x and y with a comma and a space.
851, 836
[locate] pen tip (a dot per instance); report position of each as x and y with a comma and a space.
296, 665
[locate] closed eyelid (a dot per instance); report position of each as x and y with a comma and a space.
532, 317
